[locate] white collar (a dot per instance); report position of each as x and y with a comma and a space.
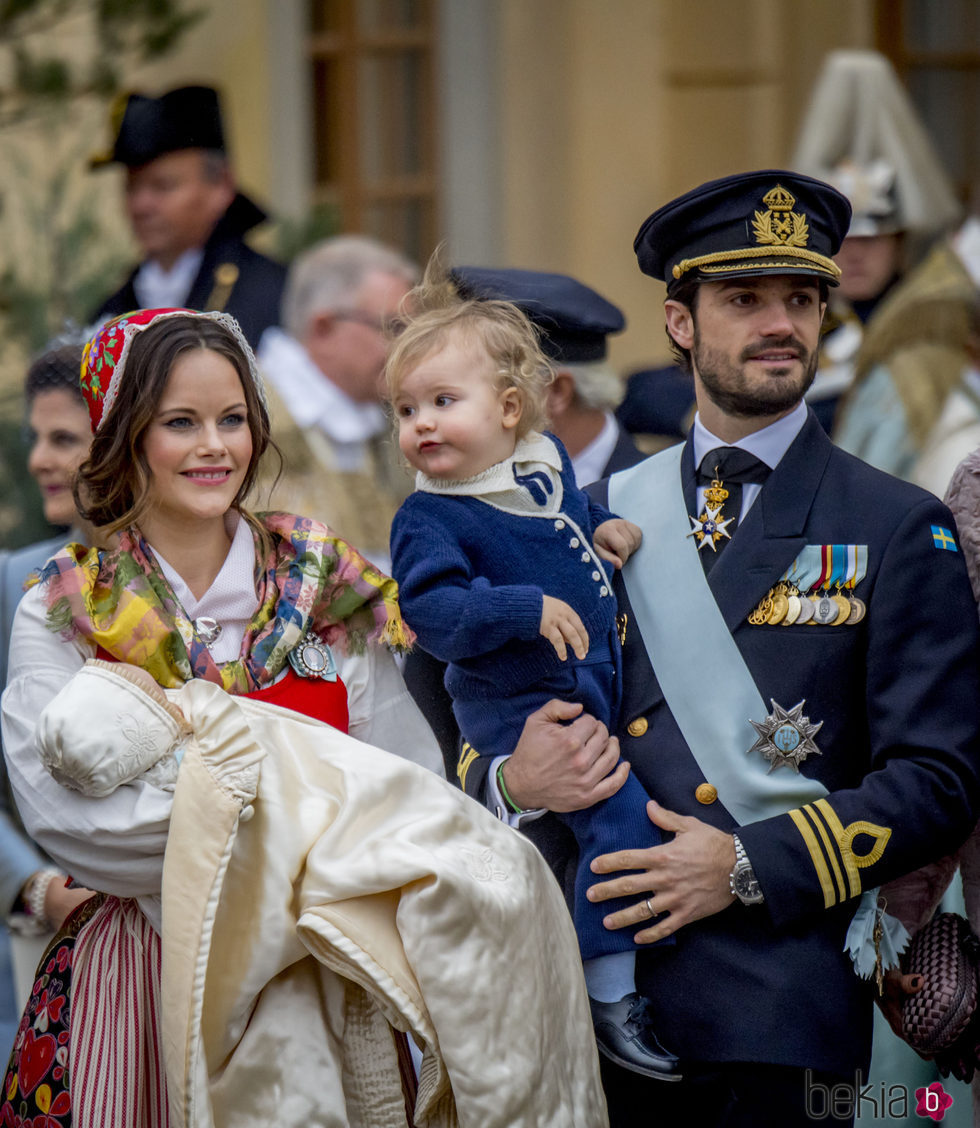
769, 444
310, 397
156, 288
590, 462
536, 458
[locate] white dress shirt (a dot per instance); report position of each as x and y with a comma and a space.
313, 400
589, 465
231, 600
157, 288
769, 445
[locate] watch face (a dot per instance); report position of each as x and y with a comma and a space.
744, 883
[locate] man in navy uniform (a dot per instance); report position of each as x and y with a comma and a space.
801, 685
187, 216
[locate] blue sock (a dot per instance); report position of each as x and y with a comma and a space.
610, 978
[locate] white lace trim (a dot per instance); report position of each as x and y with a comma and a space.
130, 330
534, 457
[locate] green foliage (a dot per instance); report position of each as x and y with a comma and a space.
294, 235
45, 68
60, 261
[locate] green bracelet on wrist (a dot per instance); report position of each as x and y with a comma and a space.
503, 791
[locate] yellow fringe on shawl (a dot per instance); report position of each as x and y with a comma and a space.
396, 632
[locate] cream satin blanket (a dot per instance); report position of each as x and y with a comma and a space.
316, 889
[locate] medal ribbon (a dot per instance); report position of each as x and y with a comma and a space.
806, 571
837, 554
826, 565
857, 565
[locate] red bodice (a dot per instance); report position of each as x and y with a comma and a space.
313, 697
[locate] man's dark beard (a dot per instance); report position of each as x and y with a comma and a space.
727, 388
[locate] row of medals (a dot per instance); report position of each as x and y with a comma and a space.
785, 605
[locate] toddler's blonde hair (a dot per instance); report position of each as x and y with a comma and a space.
507, 335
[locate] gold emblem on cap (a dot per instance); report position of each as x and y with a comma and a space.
780, 226
781, 234
117, 111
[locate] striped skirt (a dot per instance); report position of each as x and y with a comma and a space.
87, 1052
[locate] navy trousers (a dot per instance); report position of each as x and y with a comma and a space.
493, 727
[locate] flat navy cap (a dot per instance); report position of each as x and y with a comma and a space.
573, 319
754, 223
186, 118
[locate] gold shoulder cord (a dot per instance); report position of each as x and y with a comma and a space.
225, 277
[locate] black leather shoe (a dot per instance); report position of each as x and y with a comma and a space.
624, 1035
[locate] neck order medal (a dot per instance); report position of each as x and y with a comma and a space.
710, 527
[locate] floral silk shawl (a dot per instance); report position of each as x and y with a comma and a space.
310, 580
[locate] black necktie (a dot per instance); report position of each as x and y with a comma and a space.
730, 467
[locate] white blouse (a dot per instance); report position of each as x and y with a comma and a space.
115, 843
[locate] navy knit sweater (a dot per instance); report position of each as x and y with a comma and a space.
471, 580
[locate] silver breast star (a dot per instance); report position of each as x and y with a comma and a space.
786, 737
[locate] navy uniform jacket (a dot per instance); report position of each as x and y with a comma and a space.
898, 696
232, 277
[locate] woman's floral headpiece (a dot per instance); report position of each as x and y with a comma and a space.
104, 358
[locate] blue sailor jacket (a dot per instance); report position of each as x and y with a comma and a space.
471, 579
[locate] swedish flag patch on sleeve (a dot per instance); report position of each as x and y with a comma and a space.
943, 538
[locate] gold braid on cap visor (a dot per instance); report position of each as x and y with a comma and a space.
729, 260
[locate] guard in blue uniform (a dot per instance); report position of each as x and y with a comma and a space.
801, 683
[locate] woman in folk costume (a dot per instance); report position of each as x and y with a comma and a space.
244, 648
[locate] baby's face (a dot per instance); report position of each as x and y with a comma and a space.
453, 422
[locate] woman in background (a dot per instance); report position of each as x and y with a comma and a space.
34, 899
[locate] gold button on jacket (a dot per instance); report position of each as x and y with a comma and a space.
637, 727
706, 793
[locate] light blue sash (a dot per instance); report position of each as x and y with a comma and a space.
704, 679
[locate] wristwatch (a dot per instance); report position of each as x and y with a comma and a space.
742, 880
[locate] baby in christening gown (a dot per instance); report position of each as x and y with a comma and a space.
154, 730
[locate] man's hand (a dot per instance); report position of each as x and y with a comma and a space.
686, 877
563, 767
560, 624
616, 540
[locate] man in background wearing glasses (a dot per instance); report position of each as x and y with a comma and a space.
324, 377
